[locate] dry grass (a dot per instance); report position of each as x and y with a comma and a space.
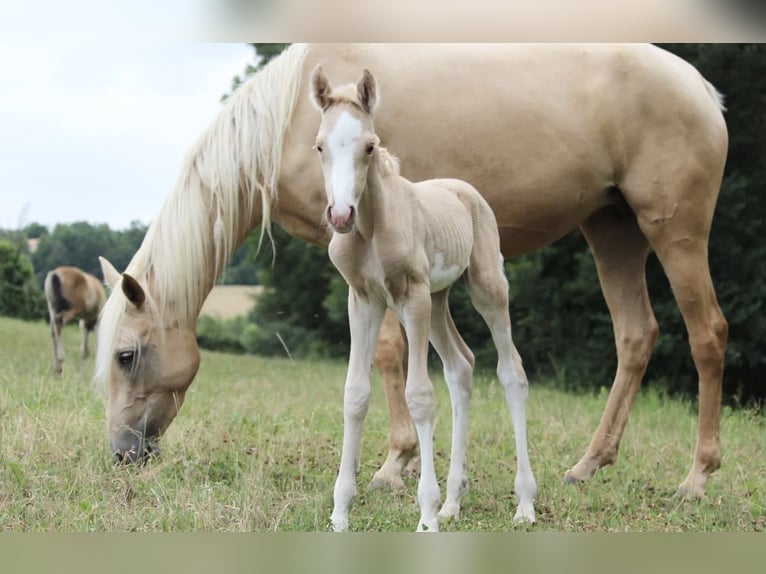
256, 448
229, 301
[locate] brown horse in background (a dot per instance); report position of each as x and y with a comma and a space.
625, 142
72, 293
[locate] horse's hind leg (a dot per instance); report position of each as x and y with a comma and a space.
84, 332
488, 289
681, 246
620, 250
391, 361
458, 363
57, 324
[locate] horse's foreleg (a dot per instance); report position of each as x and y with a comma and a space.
419, 393
458, 363
391, 361
364, 322
620, 250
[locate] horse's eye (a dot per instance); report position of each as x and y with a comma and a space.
125, 357
370, 149
319, 148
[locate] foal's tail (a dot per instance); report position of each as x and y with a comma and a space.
56, 301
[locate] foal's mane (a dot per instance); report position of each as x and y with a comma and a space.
193, 235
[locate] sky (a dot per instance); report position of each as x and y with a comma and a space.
97, 131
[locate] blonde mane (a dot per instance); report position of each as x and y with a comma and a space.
235, 160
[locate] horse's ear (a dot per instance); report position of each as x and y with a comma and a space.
367, 91
320, 88
111, 276
133, 291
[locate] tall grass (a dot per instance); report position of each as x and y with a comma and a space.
256, 448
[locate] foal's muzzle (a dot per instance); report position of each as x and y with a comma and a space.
341, 221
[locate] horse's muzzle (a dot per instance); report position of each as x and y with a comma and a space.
132, 448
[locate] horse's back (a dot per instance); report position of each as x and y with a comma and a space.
545, 132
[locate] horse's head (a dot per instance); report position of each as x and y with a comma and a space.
147, 368
346, 142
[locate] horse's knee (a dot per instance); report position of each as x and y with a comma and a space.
635, 345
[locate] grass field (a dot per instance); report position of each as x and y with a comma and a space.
229, 301
256, 448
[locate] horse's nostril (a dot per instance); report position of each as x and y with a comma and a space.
118, 456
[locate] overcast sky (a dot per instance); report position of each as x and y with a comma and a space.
97, 132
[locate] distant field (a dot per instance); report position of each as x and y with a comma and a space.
229, 301
257, 443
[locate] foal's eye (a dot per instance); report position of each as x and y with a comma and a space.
319, 148
370, 149
125, 357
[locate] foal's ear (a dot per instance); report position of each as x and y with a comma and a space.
133, 291
320, 88
367, 91
111, 276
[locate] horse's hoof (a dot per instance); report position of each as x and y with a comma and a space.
386, 484
570, 478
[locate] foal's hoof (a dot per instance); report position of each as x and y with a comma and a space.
525, 514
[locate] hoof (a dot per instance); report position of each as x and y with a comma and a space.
386, 484
525, 514
570, 478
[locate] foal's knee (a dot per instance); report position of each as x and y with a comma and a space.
355, 402
421, 403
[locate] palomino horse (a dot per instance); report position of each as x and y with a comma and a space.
72, 293
402, 246
626, 142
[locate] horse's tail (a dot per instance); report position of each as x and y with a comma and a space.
717, 96
57, 303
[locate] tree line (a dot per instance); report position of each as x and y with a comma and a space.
560, 320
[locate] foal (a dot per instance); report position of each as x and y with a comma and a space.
402, 245
72, 293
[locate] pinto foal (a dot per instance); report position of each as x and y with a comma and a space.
402, 245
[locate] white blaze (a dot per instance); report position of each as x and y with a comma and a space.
340, 142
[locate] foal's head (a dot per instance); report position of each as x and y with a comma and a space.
346, 143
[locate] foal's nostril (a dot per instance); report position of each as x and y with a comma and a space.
328, 213
118, 457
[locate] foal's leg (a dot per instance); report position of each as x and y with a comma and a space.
364, 319
620, 250
390, 359
416, 316
458, 363
488, 289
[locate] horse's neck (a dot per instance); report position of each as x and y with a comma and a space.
378, 200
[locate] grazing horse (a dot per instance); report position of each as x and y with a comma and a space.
402, 246
72, 293
626, 142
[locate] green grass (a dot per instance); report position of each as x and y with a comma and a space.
257, 444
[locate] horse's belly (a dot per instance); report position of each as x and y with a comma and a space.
443, 275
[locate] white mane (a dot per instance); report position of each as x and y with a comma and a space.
192, 238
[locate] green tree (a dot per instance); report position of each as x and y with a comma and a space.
19, 295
